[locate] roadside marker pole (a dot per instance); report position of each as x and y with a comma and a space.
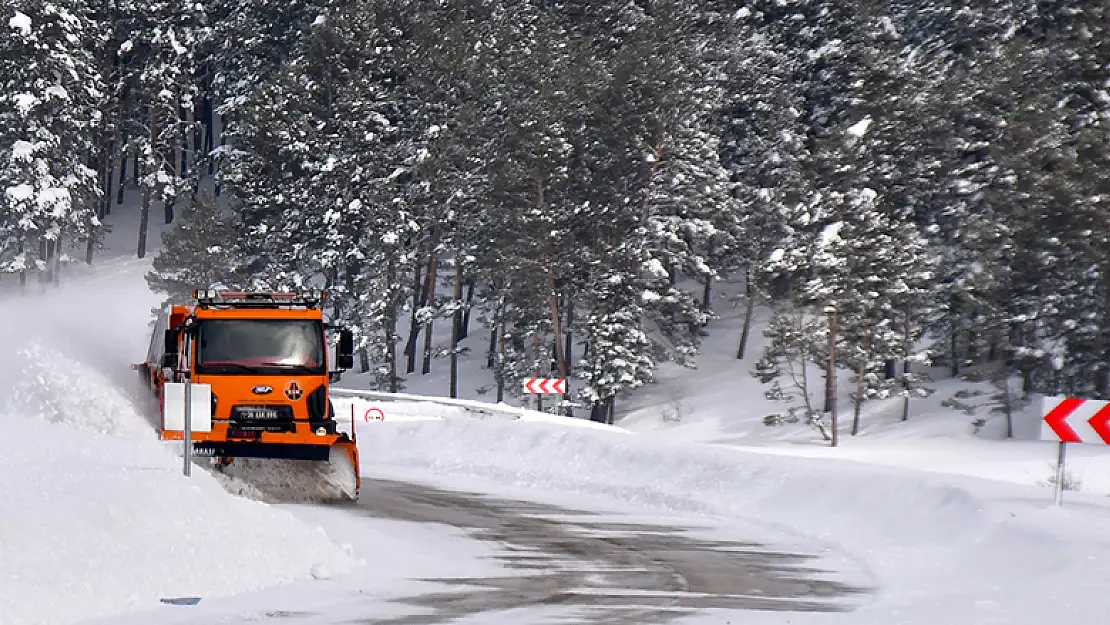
188, 438
1061, 459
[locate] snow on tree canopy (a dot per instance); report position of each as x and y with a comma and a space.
21, 22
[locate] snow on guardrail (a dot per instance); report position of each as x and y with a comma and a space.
370, 406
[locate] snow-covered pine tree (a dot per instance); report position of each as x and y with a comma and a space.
246, 42
49, 118
654, 166
1061, 160
515, 204
795, 342
870, 269
316, 168
618, 356
198, 251
159, 61
763, 140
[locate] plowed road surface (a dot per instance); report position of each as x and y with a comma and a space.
604, 571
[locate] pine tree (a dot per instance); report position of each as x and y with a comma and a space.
197, 252
875, 272
159, 56
51, 113
318, 168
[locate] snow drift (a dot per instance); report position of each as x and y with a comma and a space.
97, 516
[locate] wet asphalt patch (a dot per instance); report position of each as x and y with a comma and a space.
606, 573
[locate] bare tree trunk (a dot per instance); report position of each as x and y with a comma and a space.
105, 206
539, 372
414, 326
144, 222
555, 325
90, 243
456, 329
23, 270
1009, 407
471, 284
104, 169
183, 119
748, 313
706, 293
56, 258
500, 369
830, 371
830, 380
223, 141
391, 331
568, 348
491, 352
209, 129
144, 214
906, 349
860, 381
955, 349
906, 383
426, 365
168, 157
494, 334
46, 252
122, 186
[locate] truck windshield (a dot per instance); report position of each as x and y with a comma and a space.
260, 346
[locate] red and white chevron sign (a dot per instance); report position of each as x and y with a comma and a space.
1076, 420
545, 385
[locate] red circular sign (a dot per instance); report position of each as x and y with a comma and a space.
378, 415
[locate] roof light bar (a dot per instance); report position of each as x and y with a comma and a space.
212, 297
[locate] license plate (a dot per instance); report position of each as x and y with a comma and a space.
258, 413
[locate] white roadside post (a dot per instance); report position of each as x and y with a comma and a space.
188, 437
1061, 458
187, 408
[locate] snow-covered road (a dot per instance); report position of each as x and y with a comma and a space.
608, 568
537, 561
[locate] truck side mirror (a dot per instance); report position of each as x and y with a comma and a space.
345, 356
169, 352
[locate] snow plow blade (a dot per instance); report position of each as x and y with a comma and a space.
284, 473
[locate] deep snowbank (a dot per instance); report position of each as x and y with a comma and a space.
350, 406
97, 517
939, 550
678, 478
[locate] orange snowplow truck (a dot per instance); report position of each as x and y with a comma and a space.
256, 366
